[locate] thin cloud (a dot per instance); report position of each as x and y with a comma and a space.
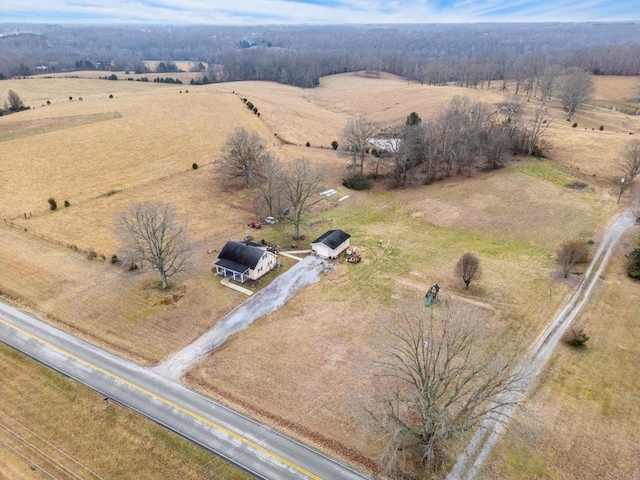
317, 11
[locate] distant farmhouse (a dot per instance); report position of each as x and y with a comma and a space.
244, 260
331, 243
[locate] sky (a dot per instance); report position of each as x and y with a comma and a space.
247, 12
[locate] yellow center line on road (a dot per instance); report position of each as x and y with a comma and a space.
165, 401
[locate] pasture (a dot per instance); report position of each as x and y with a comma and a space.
310, 368
65, 430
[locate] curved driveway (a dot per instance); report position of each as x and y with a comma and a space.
253, 446
263, 302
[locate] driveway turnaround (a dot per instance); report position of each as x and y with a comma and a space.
252, 446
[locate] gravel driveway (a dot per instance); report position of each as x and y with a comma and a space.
267, 300
471, 460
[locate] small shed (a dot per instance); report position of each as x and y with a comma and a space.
244, 260
331, 243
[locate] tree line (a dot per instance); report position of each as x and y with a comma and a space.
470, 55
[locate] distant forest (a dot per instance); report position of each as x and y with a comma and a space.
471, 55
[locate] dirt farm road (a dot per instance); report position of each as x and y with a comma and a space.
470, 461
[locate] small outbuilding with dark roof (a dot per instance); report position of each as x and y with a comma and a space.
242, 261
331, 243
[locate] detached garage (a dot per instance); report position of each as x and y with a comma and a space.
331, 244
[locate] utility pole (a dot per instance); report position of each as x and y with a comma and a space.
622, 182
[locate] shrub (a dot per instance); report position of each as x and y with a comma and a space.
91, 254
70, 98
633, 270
52, 203
66, 203
133, 266
576, 337
357, 182
48, 102
255, 110
250, 105
114, 259
601, 128
334, 144
194, 165
574, 125
111, 95
308, 144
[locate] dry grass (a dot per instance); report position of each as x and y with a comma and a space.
318, 115
408, 243
312, 364
66, 429
583, 421
609, 87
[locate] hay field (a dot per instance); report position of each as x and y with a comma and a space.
318, 115
312, 364
68, 431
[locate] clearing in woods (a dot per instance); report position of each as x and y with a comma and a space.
312, 365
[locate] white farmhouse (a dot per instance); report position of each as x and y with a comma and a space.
244, 260
331, 244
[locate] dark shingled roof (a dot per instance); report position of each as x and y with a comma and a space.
239, 253
229, 265
332, 238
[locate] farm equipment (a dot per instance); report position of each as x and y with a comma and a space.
431, 295
352, 257
257, 225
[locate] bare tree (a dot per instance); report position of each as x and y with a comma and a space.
575, 87
443, 382
156, 238
299, 183
402, 149
570, 254
536, 128
468, 268
271, 198
15, 102
355, 141
548, 81
243, 156
630, 164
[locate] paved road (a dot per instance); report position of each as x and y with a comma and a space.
241, 440
471, 460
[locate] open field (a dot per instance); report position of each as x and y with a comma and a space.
310, 367
583, 420
68, 431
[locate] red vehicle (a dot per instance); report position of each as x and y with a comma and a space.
256, 225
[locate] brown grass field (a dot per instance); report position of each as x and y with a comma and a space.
68, 431
311, 368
